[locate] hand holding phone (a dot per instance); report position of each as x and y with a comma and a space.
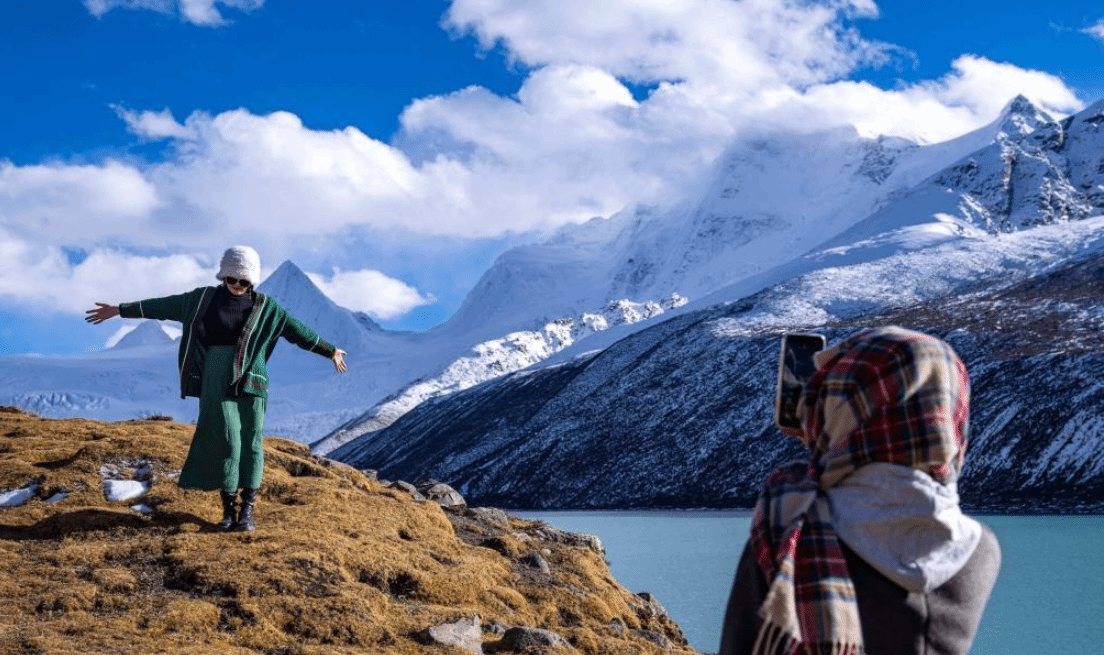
795, 367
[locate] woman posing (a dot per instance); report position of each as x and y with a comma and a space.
229, 333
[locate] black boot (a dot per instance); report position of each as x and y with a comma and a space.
245, 516
229, 504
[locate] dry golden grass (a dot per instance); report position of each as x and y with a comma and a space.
338, 564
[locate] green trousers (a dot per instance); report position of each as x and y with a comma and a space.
226, 451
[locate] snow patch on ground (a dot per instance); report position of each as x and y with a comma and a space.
119, 491
126, 481
17, 497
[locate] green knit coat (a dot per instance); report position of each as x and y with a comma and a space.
266, 323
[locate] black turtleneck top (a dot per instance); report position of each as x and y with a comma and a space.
225, 317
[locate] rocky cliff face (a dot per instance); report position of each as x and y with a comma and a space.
680, 415
104, 553
1038, 171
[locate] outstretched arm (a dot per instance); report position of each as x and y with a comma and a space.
305, 338
169, 308
338, 359
101, 313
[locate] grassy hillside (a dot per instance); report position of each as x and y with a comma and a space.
339, 563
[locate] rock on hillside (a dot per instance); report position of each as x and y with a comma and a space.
106, 554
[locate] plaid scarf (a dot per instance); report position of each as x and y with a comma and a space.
884, 395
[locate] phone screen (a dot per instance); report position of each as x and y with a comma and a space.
795, 367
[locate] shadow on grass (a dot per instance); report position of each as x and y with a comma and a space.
82, 521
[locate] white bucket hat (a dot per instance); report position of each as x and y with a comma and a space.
241, 262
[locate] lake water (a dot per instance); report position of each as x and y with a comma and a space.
1049, 597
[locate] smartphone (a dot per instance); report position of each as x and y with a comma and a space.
795, 367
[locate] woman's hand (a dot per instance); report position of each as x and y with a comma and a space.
101, 313
338, 359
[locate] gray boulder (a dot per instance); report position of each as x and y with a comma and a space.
443, 495
408, 488
465, 633
576, 539
536, 561
651, 607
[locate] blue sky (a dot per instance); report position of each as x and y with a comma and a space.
393, 150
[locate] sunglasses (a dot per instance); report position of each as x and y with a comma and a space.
233, 281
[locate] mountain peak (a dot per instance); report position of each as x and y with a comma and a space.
287, 275
290, 287
1021, 117
148, 333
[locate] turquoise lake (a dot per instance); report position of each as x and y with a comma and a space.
1049, 597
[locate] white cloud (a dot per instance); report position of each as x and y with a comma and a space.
1096, 31
199, 12
370, 292
987, 86
43, 277
709, 43
100, 7
571, 146
75, 204
248, 171
735, 65
967, 98
154, 125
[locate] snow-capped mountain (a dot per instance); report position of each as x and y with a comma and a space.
770, 198
592, 429
783, 206
765, 205
1037, 171
148, 333
680, 414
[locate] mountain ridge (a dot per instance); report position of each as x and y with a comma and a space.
733, 245
679, 414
